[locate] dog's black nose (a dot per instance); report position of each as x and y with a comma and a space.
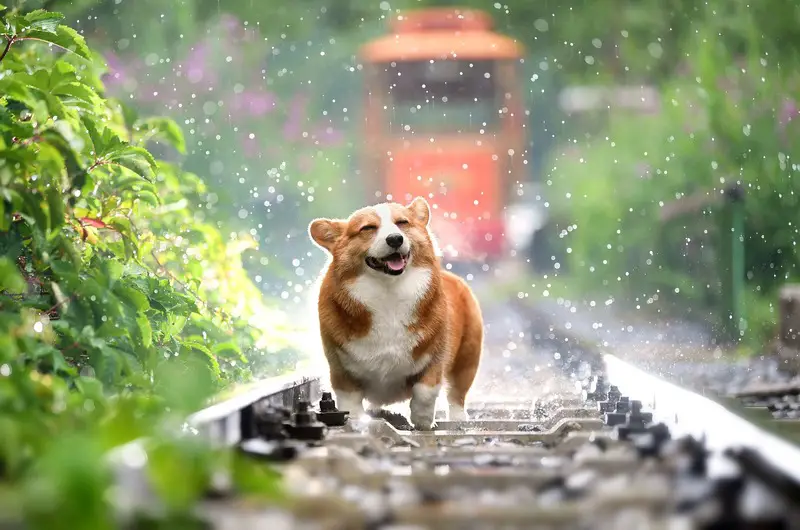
394, 240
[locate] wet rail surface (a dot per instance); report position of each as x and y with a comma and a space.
558, 437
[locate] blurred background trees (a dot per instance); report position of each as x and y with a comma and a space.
270, 96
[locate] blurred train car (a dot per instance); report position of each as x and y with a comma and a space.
444, 118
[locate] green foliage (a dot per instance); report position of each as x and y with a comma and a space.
119, 301
728, 116
699, 53
43, 26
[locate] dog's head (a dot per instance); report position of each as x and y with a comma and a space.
384, 239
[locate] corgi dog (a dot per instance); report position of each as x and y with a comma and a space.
394, 325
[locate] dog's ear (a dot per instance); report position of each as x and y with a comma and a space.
325, 232
420, 210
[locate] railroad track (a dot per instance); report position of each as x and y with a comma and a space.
615, 447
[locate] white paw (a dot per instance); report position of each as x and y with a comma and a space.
457, 413
423, 406
353, 402
423, 422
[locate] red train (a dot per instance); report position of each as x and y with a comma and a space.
444, 118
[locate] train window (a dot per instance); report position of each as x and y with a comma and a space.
437, 96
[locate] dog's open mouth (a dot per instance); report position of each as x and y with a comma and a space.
392, 264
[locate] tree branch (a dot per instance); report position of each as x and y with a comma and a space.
8, 47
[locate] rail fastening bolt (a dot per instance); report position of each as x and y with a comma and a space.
304, 424
327, 404
329, 414
269, 425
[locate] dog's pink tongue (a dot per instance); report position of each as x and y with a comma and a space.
396, 264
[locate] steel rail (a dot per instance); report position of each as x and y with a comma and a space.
688, 413
222, 423
730, 437
225, 420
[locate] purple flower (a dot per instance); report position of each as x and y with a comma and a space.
327, 136
789, 110
234, 29
250, 146
121, 72
292, 128
230, 23
252, 103
195, 64
116, 69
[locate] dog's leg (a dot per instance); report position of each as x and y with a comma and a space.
423, 399
423, 405
349, 395
351, 401
465, 364
455, 409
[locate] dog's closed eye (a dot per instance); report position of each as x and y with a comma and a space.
367, 228
401, 222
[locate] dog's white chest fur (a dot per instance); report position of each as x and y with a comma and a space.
382, 359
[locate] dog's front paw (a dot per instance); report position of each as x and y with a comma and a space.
457, 413
423, 423
423, 406
352, 402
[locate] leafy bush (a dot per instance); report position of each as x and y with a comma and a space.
727, 119
273, 148
119, 300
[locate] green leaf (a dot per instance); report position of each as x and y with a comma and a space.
185, 382
11, 22
176, 324
75, 171
90, 387
179, 472
129, 114
60, 297
105, 142
134, 183
147, 197
34, 211
112, 270
57, 107
136, 159
39, 79
134, 297
51, 163
228, 349
41, 19
64, 37
123, 226
51, 355
95, 135
66, 488
165, 129
13, 88
209, 357
79, 92
55, 203
256, 482
145, 330
66, 271
5, 216
11, 279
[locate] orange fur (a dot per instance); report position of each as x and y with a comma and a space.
388, 338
